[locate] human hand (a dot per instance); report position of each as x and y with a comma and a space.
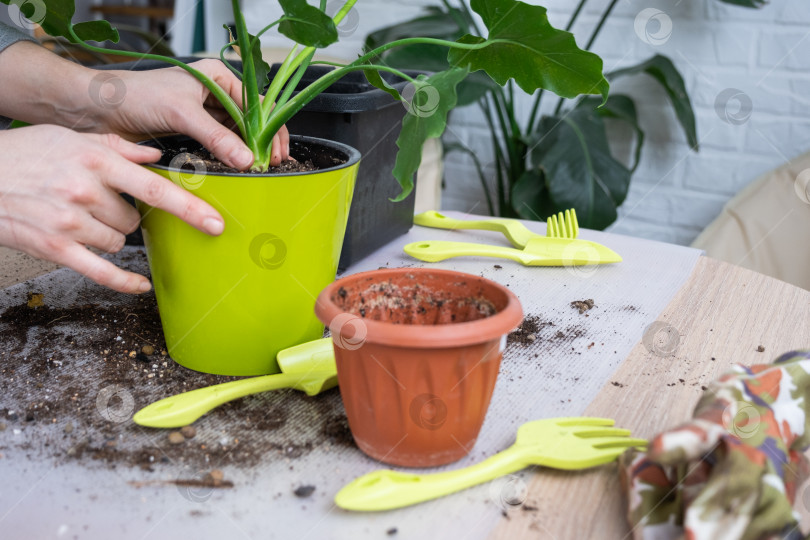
170, 100
59, 194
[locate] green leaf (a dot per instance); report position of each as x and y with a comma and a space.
96, 31
54, 16
260, 68
432, 99
524, 46
474, 87
623, 108
747, 3
664, 71
580, 172
375, 79
307, 24
530, 197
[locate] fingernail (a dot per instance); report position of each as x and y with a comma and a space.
213, 226
144, 286
242, 158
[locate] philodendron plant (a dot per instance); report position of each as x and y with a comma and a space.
520, 45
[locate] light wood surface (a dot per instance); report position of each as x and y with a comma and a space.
722, 314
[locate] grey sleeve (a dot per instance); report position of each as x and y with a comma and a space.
8, 36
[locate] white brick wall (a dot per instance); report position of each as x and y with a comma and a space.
675, 192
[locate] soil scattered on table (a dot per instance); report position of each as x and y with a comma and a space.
71, 377
760, 349
528, 332
582, 305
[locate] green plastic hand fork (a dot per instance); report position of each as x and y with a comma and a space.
309, 367
539, 251
561, 225
559, 443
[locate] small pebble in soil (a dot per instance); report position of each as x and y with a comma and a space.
215, 477
148, 349
392, 531
2, 426
69, 427
188, 432
35, 300
175, 437
760, 349
304, 491
582, 305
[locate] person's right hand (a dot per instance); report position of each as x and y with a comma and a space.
59, 194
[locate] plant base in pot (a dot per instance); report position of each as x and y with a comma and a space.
417, 352
228, 304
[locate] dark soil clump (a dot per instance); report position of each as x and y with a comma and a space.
582, 305
528, 332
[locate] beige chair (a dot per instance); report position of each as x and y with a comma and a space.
766, 227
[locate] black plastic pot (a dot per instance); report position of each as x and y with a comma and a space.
354, 112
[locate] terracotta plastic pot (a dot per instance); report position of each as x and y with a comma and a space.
417, 352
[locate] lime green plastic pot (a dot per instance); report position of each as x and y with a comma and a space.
228, 304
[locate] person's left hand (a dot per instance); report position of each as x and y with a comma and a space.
171, 100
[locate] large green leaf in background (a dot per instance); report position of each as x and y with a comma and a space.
307, 24
579, 170
56, 20
448, 25
527, 48
623, 108
664, 71
433, 98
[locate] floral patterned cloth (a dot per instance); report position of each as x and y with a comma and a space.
734, 469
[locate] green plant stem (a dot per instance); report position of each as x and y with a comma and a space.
251, 104
286, 71
228, 104
481, 176
293, 82
283, 113
539, 96
496, 148
591, 41
225, 61
502, 115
